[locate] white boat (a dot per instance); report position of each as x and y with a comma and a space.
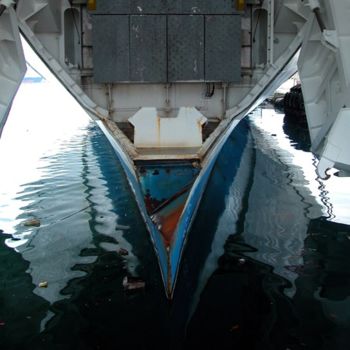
169, 80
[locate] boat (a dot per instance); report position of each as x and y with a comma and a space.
169, 81
290, 103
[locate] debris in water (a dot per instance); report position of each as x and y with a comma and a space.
133, 283
196, 165
234, 328
123, 252
295, 268
32, 222
43, 284
241, 261
2, 323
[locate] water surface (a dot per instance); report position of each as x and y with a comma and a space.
266, 265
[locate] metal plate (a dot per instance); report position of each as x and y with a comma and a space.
110, 48
147, 7
185, 48
154, 6
223, 48
148, 48
160, 48
208, 6
113, 6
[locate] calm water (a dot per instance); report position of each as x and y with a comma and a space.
266, 265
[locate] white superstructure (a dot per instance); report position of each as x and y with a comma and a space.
271, 33
168, 81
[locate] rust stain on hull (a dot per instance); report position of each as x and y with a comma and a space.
168, 224
166, 187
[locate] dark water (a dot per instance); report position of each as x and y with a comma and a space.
267, 264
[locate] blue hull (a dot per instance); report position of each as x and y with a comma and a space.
156, 181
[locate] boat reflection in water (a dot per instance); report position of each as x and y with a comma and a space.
257, 214
258, 276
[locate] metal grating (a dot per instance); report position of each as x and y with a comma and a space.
153, 6
147, 7
110, 48
148, 55
185, 48
223, 48
162, 48
113, 6
223, 7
